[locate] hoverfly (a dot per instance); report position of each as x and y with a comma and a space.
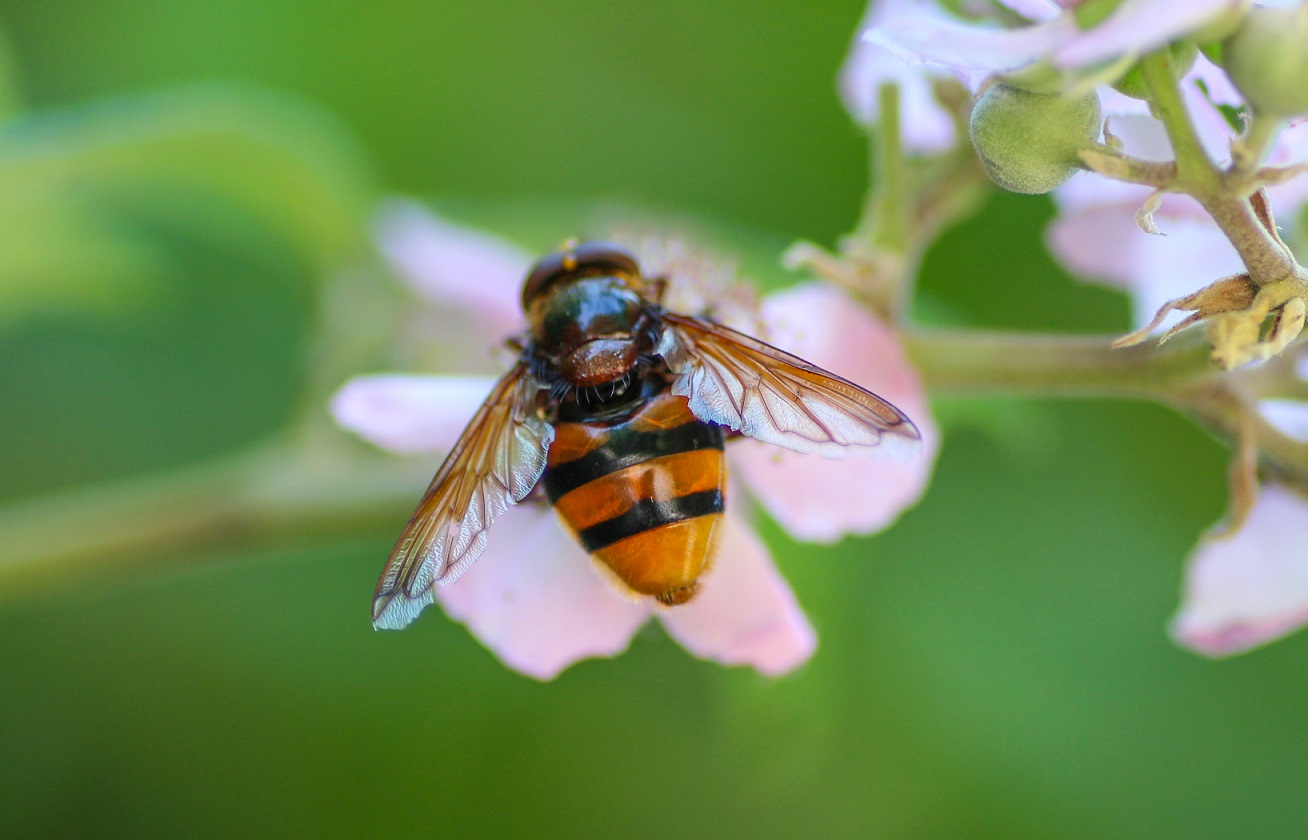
618, 410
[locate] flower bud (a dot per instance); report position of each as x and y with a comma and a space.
1267, 58
1028, 142
1223, 25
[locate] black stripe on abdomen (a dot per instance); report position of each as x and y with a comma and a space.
648, 514
627, 448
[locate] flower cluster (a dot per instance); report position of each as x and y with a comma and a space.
1170, 134
1248, 111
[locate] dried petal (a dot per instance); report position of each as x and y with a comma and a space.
1144, 217
1229, 295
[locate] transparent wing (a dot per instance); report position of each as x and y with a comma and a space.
495, 463
772, 396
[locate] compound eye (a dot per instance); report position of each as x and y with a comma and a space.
598, 258
589, 259
545, 273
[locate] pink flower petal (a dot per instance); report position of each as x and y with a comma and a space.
1105, 243
1291, 148
972, 50
1138, 26
536, 600
409, 414
745, 613
1252, 588
818, 499
1095, 211
1034, 9
453, 266
1289, 417
1205, 88
1144, 136
927, 127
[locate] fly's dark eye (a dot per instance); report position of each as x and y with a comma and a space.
604, 258
589, 259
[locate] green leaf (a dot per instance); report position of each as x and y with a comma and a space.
221, 160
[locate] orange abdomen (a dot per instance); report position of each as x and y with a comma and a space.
643, 493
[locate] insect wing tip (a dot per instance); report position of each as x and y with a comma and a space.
901, 444
395, 612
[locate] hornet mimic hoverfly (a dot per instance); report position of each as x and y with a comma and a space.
618, 410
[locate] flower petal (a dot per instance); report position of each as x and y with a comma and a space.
745, 613
1138, 26
1034, 9
1252, 588
1291, 148
451, 265
972, 50
927, 127
1290, 417
409, 414
535, 599
1153, 269
818, 499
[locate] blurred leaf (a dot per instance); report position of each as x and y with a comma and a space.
191, 155
1023, 428
11, 97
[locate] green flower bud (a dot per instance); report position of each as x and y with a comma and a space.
1267, 58
1223, 25
1090, 13
1028, 141
1133, 84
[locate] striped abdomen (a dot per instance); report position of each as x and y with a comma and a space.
643, 493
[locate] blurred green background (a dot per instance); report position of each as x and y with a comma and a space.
994, 666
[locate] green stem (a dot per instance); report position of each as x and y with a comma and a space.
158, 524
978, 362
1197, 176
1262, 131
312, 489
890, 208
1193, 167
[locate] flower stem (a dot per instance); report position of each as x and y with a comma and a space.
306, 488
958, 362
161, 523
1194, 169
891, 196
1252, 148
1197, 176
